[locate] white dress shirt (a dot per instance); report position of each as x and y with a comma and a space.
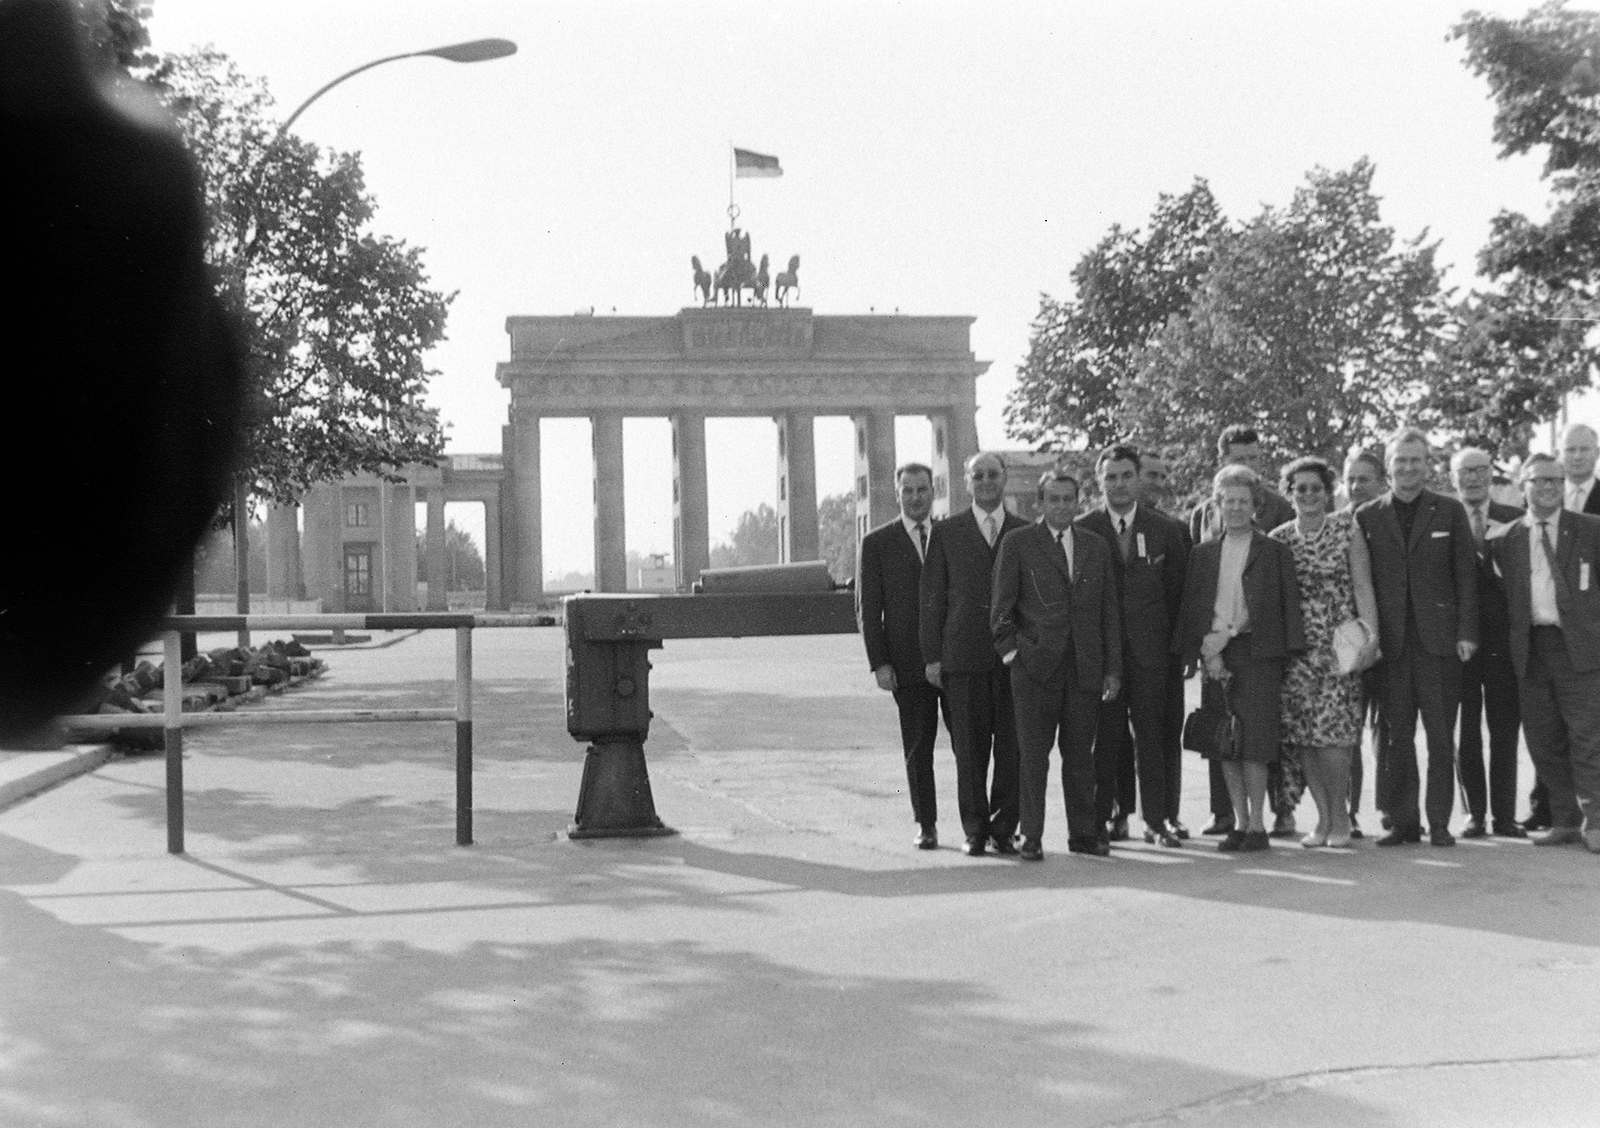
1542, 581
1118, 518
983, 517
911, 531
1578, 493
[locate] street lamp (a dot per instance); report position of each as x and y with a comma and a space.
472, 51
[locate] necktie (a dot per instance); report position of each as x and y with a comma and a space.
922, 540
1477, 524
1124, 538
989, 529
1061, 542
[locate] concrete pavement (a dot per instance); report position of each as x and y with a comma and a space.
325, 955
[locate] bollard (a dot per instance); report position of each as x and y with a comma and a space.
172, 734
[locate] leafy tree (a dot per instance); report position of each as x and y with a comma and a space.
1311, 325
1083, 349
1523, 346
463, 563
753, 541
336, 319
836, 531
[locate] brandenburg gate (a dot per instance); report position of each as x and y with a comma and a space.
785, 364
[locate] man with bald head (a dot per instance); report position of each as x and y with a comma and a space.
1488, 681
959, 656
1579, 450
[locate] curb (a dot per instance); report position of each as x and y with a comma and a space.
25, 774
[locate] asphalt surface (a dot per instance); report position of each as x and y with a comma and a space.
324, 954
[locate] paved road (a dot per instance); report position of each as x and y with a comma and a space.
325, 955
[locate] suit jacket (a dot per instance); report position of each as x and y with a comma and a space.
1494, 626
888, 573
1149, 583
1205, 523
1437, 569
1271, 595
1591, 504
1039, 611
957, 579
1578, 558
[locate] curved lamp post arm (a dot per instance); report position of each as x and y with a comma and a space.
474, 51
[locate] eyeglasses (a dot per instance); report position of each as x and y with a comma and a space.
1547, 480
985, 475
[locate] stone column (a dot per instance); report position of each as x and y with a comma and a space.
283, 552
610, 530
438, 571
400, 548
939, 422
961, 443
526, 501
691, 532
876, 502
324, 514
494, 596
797, 487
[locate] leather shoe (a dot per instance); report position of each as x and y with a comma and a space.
1031, 850
1164, 834
1509, 830
1099, 847
1232, 842
1255, 841
973, 847
1538, 820
1399, 836
1355, 828
1441, 837
1003, 845
1179, 829
1475, 829
1119, 829
1218, 826
1558, 836
1283, 827
927, 839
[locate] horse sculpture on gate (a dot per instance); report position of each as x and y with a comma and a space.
738, 272
758, 284
787, 280
703, 286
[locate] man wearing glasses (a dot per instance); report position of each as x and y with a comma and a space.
1549, 561
960, 659
1488, 681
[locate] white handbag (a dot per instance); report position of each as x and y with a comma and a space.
1350, 638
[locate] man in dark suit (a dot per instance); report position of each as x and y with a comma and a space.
1149, 555
1239, 445
1055, 622
1550, 561
1488, 681
1155, 490
888, 575
959, 655
1425, 572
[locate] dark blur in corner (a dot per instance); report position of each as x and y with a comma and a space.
121, 374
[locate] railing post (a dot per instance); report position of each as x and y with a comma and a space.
463, 736
172, 732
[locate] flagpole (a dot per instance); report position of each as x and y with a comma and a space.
730, 179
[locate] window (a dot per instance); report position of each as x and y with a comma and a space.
355, 514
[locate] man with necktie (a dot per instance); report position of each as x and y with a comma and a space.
888, 572
1488, 681
958, 655
1425, 572
1149, 559
1548, 561
1057, 626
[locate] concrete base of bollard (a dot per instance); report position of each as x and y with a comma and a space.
614, 799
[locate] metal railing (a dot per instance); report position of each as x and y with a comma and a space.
172, 720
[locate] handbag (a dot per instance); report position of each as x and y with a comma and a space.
1350, 638
1213, 729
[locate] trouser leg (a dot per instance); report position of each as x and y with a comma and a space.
1505, 724
1546, 729
1438, 695
918, 706
1398, 780
1146, 692
1003, 791
1469, 755
1037, 709
971, 727
1172, 739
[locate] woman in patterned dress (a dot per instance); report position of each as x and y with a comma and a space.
1322, 708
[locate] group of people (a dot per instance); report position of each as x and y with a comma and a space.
1306, 621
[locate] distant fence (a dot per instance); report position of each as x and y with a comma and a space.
172, 720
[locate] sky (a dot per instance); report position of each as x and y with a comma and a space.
938, 158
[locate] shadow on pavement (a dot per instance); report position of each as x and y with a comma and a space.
583, 1031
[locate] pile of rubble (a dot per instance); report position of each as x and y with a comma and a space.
221, 679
